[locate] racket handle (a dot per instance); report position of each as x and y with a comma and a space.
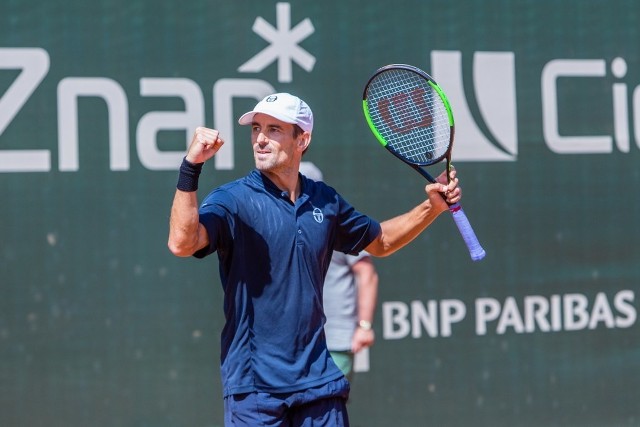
469, 236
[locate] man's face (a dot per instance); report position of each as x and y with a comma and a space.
274, 144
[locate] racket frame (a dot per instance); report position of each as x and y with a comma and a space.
476, 251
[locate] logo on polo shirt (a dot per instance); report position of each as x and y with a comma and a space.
317, 215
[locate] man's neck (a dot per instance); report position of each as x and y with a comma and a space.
288, 182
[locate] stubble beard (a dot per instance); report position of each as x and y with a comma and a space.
265, 165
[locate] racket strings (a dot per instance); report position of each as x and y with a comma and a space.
409, 115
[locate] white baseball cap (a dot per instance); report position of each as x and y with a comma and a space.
285, 107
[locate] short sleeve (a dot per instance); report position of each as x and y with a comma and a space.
355, 230
216, 214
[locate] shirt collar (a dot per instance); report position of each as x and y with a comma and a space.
262, 181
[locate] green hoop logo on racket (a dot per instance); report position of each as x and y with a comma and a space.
492, 135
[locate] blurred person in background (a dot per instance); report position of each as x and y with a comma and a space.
349, 295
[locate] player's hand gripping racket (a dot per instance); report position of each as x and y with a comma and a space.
410, 115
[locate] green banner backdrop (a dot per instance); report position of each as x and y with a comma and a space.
101, 326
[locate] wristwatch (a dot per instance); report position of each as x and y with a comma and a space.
365, 325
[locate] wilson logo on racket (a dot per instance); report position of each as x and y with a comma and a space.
404, 121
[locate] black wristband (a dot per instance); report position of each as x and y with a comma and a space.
189, 173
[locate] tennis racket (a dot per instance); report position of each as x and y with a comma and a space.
411, 117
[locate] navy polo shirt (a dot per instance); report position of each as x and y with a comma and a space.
273, 257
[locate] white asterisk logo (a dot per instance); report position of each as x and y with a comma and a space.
284, 45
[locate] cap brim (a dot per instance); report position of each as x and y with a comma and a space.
246, 118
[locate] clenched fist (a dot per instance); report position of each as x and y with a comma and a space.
204, 145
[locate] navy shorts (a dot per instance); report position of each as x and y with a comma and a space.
322, 406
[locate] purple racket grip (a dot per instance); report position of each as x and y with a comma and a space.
469, 236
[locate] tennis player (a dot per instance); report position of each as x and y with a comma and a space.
274, 232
